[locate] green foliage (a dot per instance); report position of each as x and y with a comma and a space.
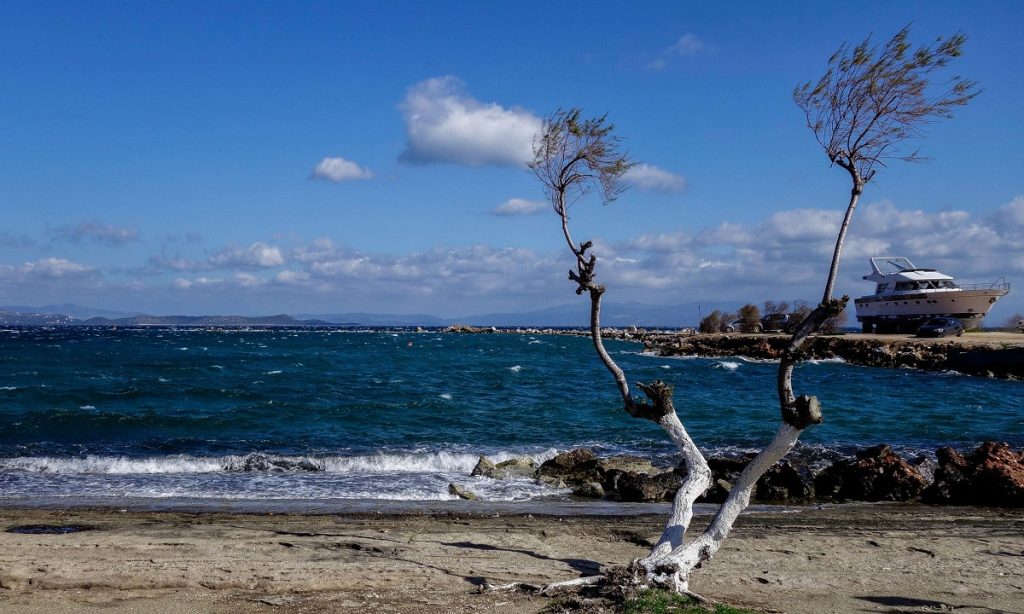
873, 98
665, 602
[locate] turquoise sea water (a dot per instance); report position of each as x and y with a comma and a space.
327, 414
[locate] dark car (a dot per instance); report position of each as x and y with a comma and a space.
941, 327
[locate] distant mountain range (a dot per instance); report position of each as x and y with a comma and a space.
567, 315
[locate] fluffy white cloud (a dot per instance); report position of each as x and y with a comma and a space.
519, 206
445, 124
258, 255
45, 270
650, 177
96, 232
1010, 217
339, 169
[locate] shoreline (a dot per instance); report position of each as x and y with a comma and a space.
986, 354
895, 558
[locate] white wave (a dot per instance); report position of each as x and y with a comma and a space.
515, 368
447, 396
112, 464
727, 364
275, 372
822, 361
10, 387
87, 407
421, 463
666, 366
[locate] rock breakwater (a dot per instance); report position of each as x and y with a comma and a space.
991, 475
997, 359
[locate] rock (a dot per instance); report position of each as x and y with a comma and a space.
999, 474
952, 481
610, 469
484, 467
461, 493
590, 490
877, 474
575, 466
552, 481
991, 475
788, 479
717, 492
519, 466
724, 472
644, 488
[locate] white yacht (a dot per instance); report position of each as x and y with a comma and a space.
905, 296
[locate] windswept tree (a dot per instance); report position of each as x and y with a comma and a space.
576, 156
871, 101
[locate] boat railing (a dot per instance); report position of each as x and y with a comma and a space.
999, 284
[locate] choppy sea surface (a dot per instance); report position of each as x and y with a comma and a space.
105, 415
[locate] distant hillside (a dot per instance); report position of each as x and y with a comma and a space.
377, 319
612, 314
79, 312
575, 314
567, 315
278, 320
8, 318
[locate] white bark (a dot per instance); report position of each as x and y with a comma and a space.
671, 568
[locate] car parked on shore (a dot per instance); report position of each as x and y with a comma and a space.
775, 322
941, 327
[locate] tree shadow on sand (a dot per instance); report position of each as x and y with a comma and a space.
909, 602
584, 566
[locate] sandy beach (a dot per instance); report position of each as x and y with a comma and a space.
880, 558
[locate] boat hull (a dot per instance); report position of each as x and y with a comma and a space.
886, 311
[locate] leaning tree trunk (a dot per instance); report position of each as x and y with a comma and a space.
673, 558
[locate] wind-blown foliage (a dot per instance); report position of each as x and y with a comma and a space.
873, 98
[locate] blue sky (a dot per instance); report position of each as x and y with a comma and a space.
258, 158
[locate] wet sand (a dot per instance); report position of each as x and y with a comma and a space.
864, 558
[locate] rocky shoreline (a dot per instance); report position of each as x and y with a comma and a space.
986, 354
991, 475
998, 359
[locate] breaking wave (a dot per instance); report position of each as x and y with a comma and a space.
432, 462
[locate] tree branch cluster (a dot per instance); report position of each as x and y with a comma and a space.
872, 99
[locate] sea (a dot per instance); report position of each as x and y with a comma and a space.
221, 418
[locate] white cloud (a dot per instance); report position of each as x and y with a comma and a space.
519, 206
688, 45
291, 278
46, 268
199, 282
96, 232
650, 177
257, 255
445, 124
1010, 217
339, 169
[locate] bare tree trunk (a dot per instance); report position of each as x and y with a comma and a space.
833, 271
